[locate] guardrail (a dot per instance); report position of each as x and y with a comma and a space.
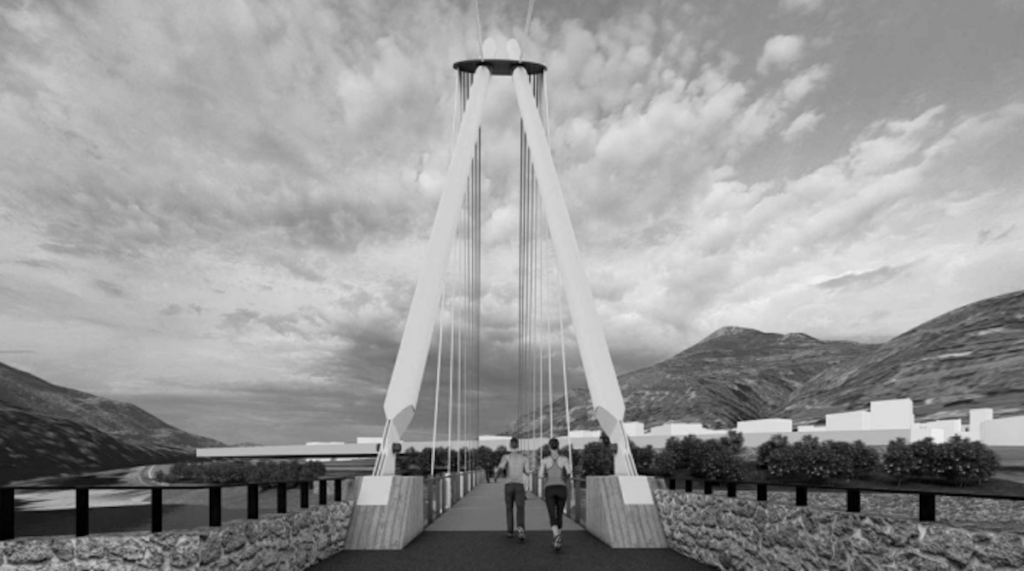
442, 491
926, 500
7, 504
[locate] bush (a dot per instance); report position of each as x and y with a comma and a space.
959, 461
808, 460
765, 449
718, 460
680, 454
864, 459
597, 460
899, 460
967, 462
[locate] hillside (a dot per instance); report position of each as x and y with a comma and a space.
125, 422
733, 374
34, 445
971, 357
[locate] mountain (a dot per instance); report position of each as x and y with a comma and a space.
125, 422
33, 445
731, 375
971, 357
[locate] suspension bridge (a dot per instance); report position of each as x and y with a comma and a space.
389, 526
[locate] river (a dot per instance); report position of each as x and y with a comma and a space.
52, 512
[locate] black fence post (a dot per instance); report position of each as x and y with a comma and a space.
156, 510
801, 495
927, 506
709, 488
337, 489
323, 492
689, 485
253, 511
81, 512
762, 492
730, 489
6, 513
282, 499
215, 507
304, 495
671, 483
853, 500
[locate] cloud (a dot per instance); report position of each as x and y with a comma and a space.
110, 289
869, 278
171, 310
780, 52
803, 124
800, 5
272, 173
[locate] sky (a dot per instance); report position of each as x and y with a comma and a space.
218, 211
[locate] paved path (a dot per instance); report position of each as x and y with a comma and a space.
472, 536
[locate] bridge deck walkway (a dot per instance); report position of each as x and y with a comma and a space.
471, 535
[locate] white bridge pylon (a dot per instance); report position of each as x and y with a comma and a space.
407, 375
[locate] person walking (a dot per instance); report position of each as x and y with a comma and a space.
557, 472
517, 470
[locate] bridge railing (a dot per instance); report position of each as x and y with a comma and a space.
577, 508
442, 491
214, 503
926, 499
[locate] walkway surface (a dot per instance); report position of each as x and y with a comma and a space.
471, 535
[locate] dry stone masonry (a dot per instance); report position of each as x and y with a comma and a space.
743, 534
290, 542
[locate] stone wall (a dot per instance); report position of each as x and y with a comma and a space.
735, 533
288, 542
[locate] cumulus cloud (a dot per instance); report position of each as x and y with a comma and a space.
803, 124
780, 52
271, 174
800, 5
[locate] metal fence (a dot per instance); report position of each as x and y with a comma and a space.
8, 495
926, 500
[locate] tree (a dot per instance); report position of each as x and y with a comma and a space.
597, 459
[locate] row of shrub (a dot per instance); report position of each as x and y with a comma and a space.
958, 461
242, 472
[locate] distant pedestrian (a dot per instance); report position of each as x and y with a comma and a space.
557, 472
517, 470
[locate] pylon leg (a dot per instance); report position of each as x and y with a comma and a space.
407, 376
605, 394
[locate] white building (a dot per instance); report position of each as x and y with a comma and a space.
633, 428
949, 428
1007, 431
856, 420
678, 429
978, 416
765, 425
892, 414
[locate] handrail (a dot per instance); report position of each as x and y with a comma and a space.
7, 497
926, 498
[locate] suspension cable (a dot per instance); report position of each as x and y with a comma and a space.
437, 382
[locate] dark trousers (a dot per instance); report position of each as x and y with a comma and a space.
554, 497
515, 493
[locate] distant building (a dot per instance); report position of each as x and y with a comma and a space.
678, 429
892, 414
1007, 431
978, 416
765, 425
949, 428
633, 428
856, 420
